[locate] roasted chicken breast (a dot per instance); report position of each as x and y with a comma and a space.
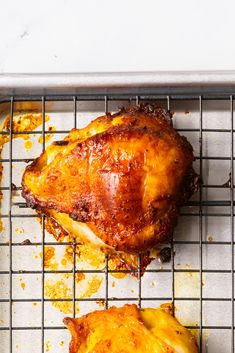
124, 176
129, 330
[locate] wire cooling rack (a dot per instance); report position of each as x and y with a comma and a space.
207, 121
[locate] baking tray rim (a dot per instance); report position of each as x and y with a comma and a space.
113, 82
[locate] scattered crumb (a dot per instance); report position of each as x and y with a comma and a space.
47, 346
19, 230
210, 238
113, 284
34, 304
22, 284
100, 302
153, 284
26, 242
132, 291
187, 265
61, 343
186, 112
24, 34
17, 346
1, 321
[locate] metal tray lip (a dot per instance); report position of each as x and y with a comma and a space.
165, 81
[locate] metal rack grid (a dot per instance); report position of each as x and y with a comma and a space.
200, 204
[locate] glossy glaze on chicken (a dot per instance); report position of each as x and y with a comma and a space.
125, 176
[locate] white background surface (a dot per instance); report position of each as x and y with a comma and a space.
123, 35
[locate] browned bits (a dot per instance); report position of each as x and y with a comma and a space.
26, 242
165, 255
61, 143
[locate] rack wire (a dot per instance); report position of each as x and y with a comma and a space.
200, 213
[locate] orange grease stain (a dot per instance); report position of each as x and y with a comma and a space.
63, 262
47, 136
93, 287
49, 258
22, 285
28, 145
60, 290
20, 123
80, 276
48, 346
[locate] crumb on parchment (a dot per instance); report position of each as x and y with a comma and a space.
47, 345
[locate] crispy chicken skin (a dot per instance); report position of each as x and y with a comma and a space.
125, 176
128, 330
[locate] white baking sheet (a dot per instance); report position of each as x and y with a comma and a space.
216, 114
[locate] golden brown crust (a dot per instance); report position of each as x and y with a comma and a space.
127, 330
111, 320
125, 175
